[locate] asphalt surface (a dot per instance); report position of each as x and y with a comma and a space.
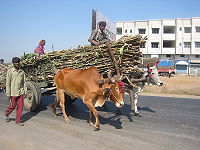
167, 124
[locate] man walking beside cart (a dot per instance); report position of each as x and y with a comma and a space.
15, 90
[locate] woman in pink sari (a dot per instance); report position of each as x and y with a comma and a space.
40, 49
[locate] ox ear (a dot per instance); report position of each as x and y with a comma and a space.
105, 91
106, 87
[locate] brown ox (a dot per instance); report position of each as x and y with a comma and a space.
87, 85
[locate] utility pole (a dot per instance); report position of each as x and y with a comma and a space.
52, 48
189, 65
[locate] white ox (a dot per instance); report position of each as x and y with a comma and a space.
151, 78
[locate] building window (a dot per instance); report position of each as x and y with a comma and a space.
141, 31
154, 44
131, 31
169, 44
180, 29
197, 44
169, 29
197, 56
126, 31
187, 44
168, 55
182, 55
188, 29
119, 31
197, 29
155, 30
179, 44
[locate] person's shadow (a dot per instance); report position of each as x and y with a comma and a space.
28, 115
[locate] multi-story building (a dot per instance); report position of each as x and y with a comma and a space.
168, 39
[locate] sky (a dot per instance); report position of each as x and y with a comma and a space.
67, 23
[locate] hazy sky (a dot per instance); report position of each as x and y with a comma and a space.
67, 23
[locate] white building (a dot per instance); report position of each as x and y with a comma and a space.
168, 39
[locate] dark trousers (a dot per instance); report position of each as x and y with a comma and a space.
16, 101
169, 75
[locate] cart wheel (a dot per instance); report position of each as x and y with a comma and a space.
33, 96
38, 101
69, 100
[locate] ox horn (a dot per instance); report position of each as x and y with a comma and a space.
112, 80
121, 77
130, 83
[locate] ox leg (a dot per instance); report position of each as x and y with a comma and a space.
55, 105
94, 111
91, 119
133, 101
62, 105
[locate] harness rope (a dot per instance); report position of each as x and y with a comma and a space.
110, 92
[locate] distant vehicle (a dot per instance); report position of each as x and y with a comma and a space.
163, 66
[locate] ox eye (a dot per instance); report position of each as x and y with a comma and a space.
117, 89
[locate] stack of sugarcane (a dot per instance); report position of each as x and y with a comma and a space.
3, 69
126, 52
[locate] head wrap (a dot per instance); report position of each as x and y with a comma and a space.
15, 60
42, 43
102, 23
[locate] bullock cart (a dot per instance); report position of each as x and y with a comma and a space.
120, 57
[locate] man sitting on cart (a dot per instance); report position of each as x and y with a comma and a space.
40, 49
98, 36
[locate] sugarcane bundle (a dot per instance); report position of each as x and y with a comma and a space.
125, 52
3, 69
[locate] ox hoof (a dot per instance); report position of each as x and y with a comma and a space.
96, 129
137, 114
67, 121
54, 115
91, 123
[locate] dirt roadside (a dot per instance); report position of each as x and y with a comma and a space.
177, 86
170, 95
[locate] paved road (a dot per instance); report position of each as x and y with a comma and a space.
167, 124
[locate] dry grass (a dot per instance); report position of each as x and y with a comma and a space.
186, 85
